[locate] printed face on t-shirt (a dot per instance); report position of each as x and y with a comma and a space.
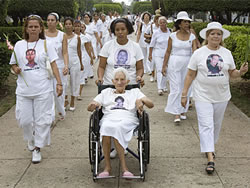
119, 103
215, 64
121, 59
30, 56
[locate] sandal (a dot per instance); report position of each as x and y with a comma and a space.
210, 167
127, 175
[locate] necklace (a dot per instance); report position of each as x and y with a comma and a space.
34, 46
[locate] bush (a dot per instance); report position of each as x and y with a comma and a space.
4, 63
139, 7
108, 7
10, 31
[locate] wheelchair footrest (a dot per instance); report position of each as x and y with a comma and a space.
106, 177
131, 177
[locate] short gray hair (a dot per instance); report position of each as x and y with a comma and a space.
123, 70
162, 18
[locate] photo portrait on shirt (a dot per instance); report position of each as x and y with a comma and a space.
30, 56
122, 59
119, 103
214, 65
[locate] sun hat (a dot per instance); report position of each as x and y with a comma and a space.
214, 25
183, 15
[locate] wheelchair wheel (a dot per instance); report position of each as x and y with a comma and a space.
91, 122
142, 164
147, 139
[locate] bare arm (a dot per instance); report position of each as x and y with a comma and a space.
140, 102
101, 68
191, 74
194, 45
150, 54
59, 88
139, 72
79, 51
166, 56
65, 54
138, 33
98, 39
237, 73
88, 49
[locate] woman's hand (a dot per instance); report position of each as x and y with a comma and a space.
184, 101
65, 70
150, 58
139, 105
141, 80
164, 70
59, 89
99, 80
93, 105
244, 68
16, 69
82, 67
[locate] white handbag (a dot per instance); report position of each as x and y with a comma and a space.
48, 66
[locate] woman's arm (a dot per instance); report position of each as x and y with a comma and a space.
150, 54
191, 74
166, 56
194, 45
88, 49
65, 54
237, 73
139, 72
59, 86
138, 33
101, 69
98, 39
79, 52
140, 102
93, 105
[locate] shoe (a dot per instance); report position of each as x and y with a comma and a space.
151, 79
183, 117
31, 145
177, 120
103, 174
72, 109
160, 92
61, 117
36, 156
211, 166
113, 154
127, 175
79, 98
125, 152
91, 77
165, 90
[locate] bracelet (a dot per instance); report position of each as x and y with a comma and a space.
183, 96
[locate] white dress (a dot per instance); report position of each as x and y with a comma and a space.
120, 117
177, 70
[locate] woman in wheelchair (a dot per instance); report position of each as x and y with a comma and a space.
119, 107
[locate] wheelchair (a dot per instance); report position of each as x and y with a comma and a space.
143, 137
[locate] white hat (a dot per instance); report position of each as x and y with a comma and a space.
214, 25
183, 15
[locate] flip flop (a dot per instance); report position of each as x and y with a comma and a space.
103, 174
127, 175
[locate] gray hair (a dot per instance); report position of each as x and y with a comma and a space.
162, 18
123, 70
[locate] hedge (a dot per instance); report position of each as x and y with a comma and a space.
108, 7
4, 63
10, 31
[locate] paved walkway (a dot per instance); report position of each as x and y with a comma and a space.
175, 157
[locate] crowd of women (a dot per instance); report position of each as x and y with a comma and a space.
172, 57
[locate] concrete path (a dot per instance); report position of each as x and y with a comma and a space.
176, 160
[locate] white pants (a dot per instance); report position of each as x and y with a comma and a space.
161, 80
59, 101
210, 117
176, 82
145, 60
74, 71
34, 115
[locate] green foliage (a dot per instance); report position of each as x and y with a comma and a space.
22, 8
4, 63
3, 11
107, 7
139, 7
10, 31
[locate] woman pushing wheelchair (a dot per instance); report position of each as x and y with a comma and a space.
119, 107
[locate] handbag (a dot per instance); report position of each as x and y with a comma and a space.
148, 40
47, 63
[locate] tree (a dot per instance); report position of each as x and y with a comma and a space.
19, 9
3, 11
220, 9
139, 7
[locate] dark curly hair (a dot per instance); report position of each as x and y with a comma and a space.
128, 24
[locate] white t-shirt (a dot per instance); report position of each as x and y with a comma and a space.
57, 42
159, 42
212, 81
143, 28
124, 56
119, 106
72, 50
33, 71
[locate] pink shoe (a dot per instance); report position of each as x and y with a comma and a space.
127, 175
103, 174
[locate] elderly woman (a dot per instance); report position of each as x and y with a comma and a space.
211, 67
181, 44
159, 44
34, 92
119, 120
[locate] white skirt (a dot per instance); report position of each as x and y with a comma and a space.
121, 129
